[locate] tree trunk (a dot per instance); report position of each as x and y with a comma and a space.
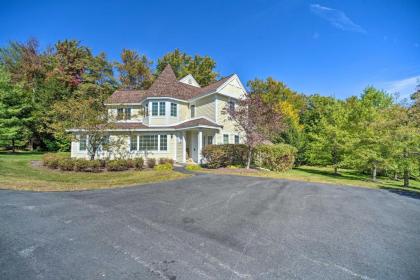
335, 170
248, 162
395, 175
92, 156
374, 172
31, 144
13, 146
406, 178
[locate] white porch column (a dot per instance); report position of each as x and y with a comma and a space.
199, 145
174, 138
184, 148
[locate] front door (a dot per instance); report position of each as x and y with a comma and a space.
194, 146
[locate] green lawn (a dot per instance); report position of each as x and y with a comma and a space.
325, 175
17, 172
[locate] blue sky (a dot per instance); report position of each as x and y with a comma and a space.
328, 47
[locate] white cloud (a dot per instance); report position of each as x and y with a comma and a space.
404, 87
337, 18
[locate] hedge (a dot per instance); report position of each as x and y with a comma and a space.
225, 155
117, 165
52, 160
151, 162
279, 157
65, 163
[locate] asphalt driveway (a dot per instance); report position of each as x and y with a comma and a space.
211, 227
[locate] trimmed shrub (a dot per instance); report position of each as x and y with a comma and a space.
139, 163
66, 164
163, 166
279, 157
117, 165
81, 165
151, 162
225, 155
130, 163
166, 160
51, 160
94, 165
103, 163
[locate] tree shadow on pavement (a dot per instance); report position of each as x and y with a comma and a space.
409, 193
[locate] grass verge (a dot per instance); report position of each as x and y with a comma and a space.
17, 173
325, 175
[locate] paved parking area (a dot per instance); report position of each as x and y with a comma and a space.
211, 227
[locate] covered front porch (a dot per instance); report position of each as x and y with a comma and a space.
191, 142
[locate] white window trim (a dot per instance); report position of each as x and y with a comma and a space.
158, 151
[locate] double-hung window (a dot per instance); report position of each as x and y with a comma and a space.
162, 108
120, 113
192, 111
155, 106
133, 143
174, 110
225, 138
209, 140
231, 105
82, 142
146, 110
148, 142
163, 143
127, 114
236, 139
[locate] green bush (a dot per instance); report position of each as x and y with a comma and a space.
139, 163
151, 162
279, 157
51, 160
130, 163
193, 167
66, 164
117, 165
166, 160
103, 163
163, 166
225, 155
81, 165
94, 165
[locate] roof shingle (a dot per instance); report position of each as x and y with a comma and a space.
165, 85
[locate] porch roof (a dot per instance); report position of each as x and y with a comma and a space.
139, 126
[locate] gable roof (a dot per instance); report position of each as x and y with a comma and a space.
190, 80
165, 85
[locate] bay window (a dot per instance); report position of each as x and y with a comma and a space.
162, 108
155, 108
174, 110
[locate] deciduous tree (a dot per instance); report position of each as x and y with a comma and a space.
258, 121
135, 70
201, 67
